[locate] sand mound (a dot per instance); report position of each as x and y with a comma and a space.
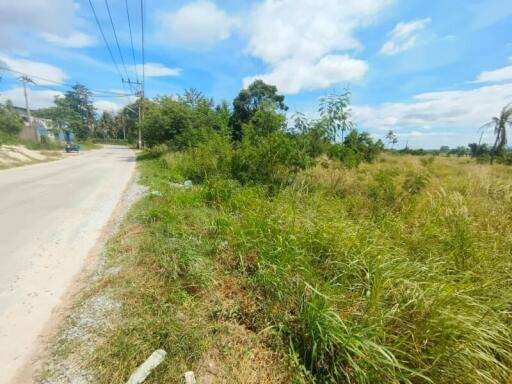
13, 155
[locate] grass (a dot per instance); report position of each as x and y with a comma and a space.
394, 272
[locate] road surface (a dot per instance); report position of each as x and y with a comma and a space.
51, 216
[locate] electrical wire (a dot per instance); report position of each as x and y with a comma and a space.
143, 53
118, 46
131, 41
68, 85
106, 42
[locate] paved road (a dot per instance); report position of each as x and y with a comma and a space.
51, 215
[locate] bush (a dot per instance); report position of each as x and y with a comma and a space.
267, 154
356, 148
209, 159
10, 123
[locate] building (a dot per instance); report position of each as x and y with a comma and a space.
39, 129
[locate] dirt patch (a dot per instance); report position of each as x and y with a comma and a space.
15, 155
240, 357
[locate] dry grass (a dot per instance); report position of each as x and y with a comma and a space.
398, 271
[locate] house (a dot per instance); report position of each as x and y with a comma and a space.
39, 129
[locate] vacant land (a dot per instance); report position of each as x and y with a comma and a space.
17, 155
397, 271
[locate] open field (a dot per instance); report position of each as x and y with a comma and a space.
397, 271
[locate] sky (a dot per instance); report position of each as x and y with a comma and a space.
432, 71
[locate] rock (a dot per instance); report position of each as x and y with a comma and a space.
188, 184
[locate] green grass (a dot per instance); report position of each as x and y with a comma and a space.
394, 272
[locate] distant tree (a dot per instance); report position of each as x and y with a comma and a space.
193, 97
249, 101
476, 149
459, 151
106, 127
444, 149
391, 138
335, 111
499, 126
64, 117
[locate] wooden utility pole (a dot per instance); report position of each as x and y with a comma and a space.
25, 80
141, 108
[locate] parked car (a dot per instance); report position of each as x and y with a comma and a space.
72, 147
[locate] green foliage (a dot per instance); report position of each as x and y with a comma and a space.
182, 123
249, 101
335, 112
10, 123
357, 148
208, 159
267, 154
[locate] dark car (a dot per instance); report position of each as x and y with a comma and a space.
72, 147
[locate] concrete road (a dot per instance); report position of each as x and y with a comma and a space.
51, 216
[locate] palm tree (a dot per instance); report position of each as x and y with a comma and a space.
499, 124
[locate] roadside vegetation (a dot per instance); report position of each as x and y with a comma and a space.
299, 258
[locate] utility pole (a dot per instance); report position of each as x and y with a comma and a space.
141, 108
25, 80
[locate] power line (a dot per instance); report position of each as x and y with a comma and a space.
141, 104
131, 41
69, 85
106, 42
117, 40
143, 53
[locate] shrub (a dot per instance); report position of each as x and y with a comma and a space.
267, 154
209, 159
10, 123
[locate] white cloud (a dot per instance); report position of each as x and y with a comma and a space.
107, 106
19, 18
463, 109
45, 71
157, 70
37, 98
308, 29
496, 76
301, 40
74, 40
199, 22
293, 75
403, 37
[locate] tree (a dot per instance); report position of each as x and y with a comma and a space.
10, 123
64, 118
500, 125
249, 100
79, 100
335, 111
392, 138
107, 128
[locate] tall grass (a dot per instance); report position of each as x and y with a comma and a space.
394, 272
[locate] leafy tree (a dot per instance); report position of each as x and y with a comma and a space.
335, 110
249, 101
10, 122
477, 150
106, 127
182, 123
63, 116
311, 134
499, 126
392, 138
267, 154
357, 148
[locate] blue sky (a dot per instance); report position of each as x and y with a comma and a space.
432, 71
